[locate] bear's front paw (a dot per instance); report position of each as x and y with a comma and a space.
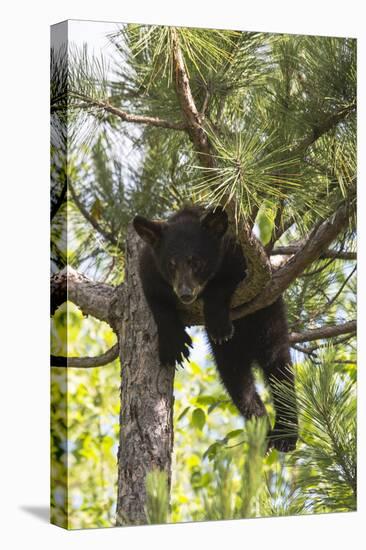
221, 333
174, 348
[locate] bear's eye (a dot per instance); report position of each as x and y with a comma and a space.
172, 263
195, 262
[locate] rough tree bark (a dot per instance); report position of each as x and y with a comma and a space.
146, 418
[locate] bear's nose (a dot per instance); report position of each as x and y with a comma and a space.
186, 297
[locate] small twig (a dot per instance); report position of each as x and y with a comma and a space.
321, 129
205, 104
304, 349
106, 234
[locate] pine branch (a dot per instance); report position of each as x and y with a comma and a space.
289, 250
123, 115
318, 240
317, 131
86, 362
193, 118
330, 301
323, 332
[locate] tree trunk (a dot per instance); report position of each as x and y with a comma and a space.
146, 418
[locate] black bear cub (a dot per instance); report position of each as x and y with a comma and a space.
191, 256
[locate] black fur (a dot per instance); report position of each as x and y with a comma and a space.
191, 256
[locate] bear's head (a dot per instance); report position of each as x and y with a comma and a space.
186, 248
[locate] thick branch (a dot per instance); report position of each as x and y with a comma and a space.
86, 362
320, 238
191, 114
323, 332
92, 298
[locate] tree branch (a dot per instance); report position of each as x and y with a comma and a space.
291, 249
86, 362
92, 298
191, 114
330, 122
303, 349
298, 150
319, 239
323, 332
105, 302
128, 117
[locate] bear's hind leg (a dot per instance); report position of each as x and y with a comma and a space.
242, 391
285, 431
237, 377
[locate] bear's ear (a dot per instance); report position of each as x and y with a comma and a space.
150, 231
216, 222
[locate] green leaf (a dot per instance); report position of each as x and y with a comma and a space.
233, 433
213, 449
206, 400
198, 419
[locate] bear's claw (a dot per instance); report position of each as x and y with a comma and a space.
224, 339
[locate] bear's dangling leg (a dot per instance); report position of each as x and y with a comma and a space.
241, 388
285, 431
236, 375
